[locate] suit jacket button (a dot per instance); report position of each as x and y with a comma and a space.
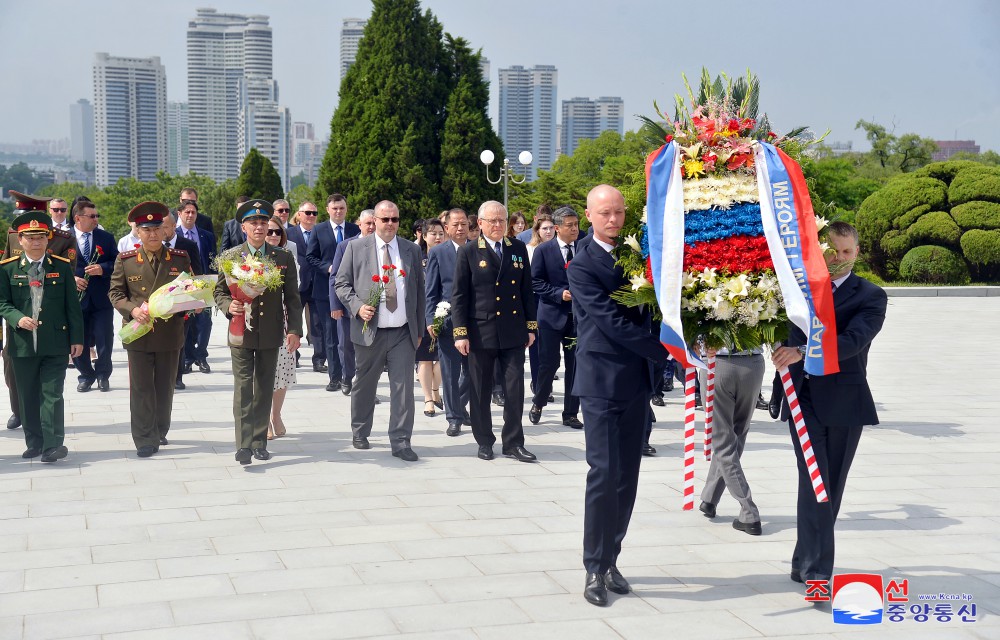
515, 312
39, 323
498, 313
498, 298
142, 288
262, 313
512, 282
64, 328
513, 297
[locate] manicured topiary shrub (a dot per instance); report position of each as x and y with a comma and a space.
982, 249
937, 205
934, 265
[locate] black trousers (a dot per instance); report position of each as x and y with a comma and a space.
614, 432
98, 331
549, 341
511, 362
834, 448
326, 327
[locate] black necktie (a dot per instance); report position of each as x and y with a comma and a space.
569, 252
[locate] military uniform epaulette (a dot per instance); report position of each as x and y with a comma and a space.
178, 252
66, 260
10, 259
62, 232
131, 253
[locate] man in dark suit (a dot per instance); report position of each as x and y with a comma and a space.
614, 380
835, 407
320, 253
366, 222
199, 329
493, 312
394, 329
152, 358
202, 221
96, 254
173, 240
233, 234
300, 234
556, 326
255, 360
454, 366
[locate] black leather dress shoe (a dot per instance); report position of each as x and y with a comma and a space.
796, 576
520, 454
708, 509
485, 453
405, 455
262, 454
762, 404
657, 400
615, 581
103, 385
454, 429
85, 386
334, 386
203, 366
346, 387
244, 456
572, 422
534, 414
668, 384
697, 400
361, 443
498, 399
320, 368
467, 422
146, 450
774, 406
751, 528
53, 454
648, 450
595, 591
163, 442
179, 385
13, 422
188, 367
31, 453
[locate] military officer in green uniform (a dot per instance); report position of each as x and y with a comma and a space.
61, 243
152, 359
45, 325
256, 359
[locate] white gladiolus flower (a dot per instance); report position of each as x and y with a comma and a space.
633, 242
638, 282
737, 286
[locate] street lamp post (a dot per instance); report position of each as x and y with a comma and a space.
506, 171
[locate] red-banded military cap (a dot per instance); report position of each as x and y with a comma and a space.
32, 222
148, 214
24, 202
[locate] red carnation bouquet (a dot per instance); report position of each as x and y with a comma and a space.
379, 282
247, 278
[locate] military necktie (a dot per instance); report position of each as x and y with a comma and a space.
390, 287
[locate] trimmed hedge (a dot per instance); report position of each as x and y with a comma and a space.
981, 247
934, 265
977, 215
937, 227
975, 183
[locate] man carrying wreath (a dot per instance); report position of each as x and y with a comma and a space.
255, 359
39, 302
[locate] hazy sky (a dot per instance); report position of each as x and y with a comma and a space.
924, 66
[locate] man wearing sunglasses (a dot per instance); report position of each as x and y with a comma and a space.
61, 243
59, 212
97, 251
300, 232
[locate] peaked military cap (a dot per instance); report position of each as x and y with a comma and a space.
148, 214
24, 202
254, 209
33, 222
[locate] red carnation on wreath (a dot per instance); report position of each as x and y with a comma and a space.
402, 273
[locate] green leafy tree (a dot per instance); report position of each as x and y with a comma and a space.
904, 153
258, 178
219, 203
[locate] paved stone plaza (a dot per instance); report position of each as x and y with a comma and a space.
325, 541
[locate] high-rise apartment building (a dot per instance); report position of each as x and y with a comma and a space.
307, 152
528, 114
586, 119
178, 139
264, 124
222, 49
350, 36
81, 131
130, 118
948, 148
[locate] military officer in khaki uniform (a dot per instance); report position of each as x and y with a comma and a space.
61, 243
45, 325
152, 359
255, 361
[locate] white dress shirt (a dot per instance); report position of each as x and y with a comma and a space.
388, 319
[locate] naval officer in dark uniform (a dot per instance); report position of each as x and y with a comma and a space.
256, 359
61, 243
493, 312
152, 359
39, 302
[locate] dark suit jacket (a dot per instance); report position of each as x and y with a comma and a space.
549, 280
205, 222
295, 234
440, 275
205, 247
320, 253
354, 283
182, 243
492, 303
844, 399
232, 235
265, 311
95, 296
615, 351
338, 259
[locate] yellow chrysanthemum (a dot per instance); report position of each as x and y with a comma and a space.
694, 168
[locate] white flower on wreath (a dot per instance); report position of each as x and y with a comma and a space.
711, 299
821, 223
638, 282
724, 310
633, 242
708, 276
736, 286
643, 213
689, 280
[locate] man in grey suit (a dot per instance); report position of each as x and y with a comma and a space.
394, 326
454, 366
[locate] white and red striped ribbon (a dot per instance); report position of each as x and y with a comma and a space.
709, 406
800, 429
689, 378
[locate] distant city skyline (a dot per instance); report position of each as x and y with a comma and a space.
825, 66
